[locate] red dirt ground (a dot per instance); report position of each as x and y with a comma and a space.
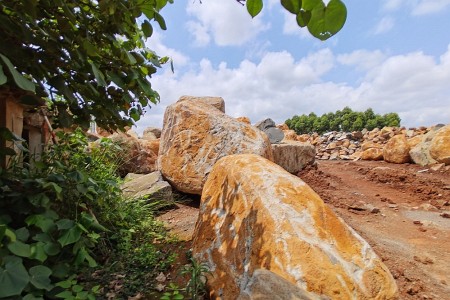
401, 210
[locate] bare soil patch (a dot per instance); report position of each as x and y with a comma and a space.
401, 210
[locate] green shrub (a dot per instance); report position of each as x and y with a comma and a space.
64, 213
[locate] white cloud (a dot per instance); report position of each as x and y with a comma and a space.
225, 22
417, 7
156, 44
430, 6
200, 33
391, 5
278, 86
362, 59
385, 24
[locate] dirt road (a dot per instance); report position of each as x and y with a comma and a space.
401, 210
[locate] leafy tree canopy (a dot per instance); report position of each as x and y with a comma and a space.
342, 120
89, 57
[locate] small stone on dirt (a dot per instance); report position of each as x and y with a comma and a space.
445, 215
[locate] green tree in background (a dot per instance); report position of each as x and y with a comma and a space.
342, 120
90, 58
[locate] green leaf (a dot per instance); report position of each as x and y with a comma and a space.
327, 21
61, 271
40, 277
293, 6
44, 223
65, 295
160, 21
13, 277
65, 224
303, 18
52, 249
22, 234
145, 85
311, 4
130, 59
21, 81
254, 7
83, 255
90, 48
38, 252
20, 249
98, 75
54, 186
3, 77
70, 236
146, 28
32, 297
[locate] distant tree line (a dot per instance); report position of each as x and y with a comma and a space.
341, 120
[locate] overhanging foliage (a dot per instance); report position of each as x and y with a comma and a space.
88, 56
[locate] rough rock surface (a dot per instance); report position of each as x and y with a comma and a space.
195, 135
217, 102
151, 133
440, 145
255, 215
148, 186
293, 156
245, 120
420, 153
137, 156
274, 134
396, 150
266, 285
372, 154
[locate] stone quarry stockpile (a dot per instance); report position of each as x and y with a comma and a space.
258, 223
196, 133
423, 145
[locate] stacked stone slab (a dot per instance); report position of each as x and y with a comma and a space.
422, 145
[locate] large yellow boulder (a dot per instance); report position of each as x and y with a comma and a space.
397, 150
440, 145
196, 134
372, 154
256, 216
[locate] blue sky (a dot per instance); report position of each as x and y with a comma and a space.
391, 55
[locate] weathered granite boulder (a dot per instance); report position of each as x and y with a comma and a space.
137, 156
372, 154
264, 124
420, 154
289, 135
217, 102
440, 145
266, 285
414, 141
151, 133
148, 186
293, 156
195, 135
397, 149
254, 215
274, 134
246, 120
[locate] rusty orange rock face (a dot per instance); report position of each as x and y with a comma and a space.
254, 215
195, 135
440, 145
372, 154
397, 150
